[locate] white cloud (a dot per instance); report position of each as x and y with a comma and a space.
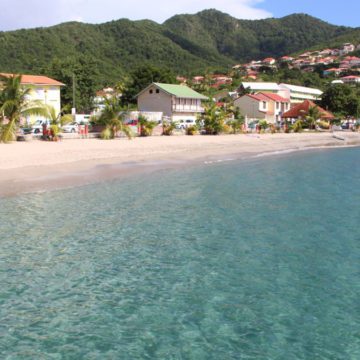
32, 13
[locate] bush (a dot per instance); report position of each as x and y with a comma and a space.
168, 128
297, 127
146, 126
191, 130
107, 134
227, 129
323, 125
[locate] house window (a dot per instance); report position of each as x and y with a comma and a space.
264, 104
150, 91
157, 91
277, 105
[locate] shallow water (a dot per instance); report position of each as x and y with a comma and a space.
247, 259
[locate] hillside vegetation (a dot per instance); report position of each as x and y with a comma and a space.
185, 44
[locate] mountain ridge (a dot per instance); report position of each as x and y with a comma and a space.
187, 43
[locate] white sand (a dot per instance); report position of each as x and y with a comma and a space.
23, 164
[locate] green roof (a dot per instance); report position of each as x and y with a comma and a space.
180, 91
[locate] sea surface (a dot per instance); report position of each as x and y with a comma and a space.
251, 259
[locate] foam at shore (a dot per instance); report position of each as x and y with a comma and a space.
39, 166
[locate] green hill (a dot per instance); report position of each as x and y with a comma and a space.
184, 43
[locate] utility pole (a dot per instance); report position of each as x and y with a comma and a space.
73, 110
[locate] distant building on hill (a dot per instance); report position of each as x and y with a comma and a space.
254, 87
294, 93
176, 102
351, 79
43, 89
347, 48
298, 94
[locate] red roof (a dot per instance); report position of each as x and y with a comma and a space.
350, 58
276, 97
258, 97
303, 109
351, 77
35, 80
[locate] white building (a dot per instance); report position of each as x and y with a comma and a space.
295, 93
298, 94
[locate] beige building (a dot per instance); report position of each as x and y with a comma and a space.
262, 106
43, 89
176, 102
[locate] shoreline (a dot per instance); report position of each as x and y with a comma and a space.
44, 166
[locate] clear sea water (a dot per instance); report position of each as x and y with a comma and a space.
252, 259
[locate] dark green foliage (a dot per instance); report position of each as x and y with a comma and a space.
341, 99
84, 71
186, 44
144, 76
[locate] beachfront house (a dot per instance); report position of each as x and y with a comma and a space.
262, 106
302, 110
43, 89
176, 102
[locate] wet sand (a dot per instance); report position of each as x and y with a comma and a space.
38, 166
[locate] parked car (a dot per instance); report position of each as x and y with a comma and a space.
71, 128
183, 124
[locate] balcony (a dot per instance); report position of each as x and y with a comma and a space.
187, 108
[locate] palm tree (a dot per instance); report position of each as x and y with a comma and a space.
57, 120
14, 105
312, 116
237, 120
112, 117
213, 119
146, 126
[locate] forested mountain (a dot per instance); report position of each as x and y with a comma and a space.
184, 43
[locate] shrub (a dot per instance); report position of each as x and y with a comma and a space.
297, 127
227, 129
107, 134
168, 128
191, 130
323, 125
146, 126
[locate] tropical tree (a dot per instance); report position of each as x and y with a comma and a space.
113, 119
168, 127
81, 75
312, 116
146, 126
342, 99
213, 119
237, 120
14, 105
144, 76
57, 119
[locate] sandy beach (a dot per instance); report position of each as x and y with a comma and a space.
38, 165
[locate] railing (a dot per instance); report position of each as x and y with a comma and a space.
186, 108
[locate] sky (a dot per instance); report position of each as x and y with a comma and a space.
17, 14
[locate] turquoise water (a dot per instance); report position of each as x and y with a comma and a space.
256, 259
